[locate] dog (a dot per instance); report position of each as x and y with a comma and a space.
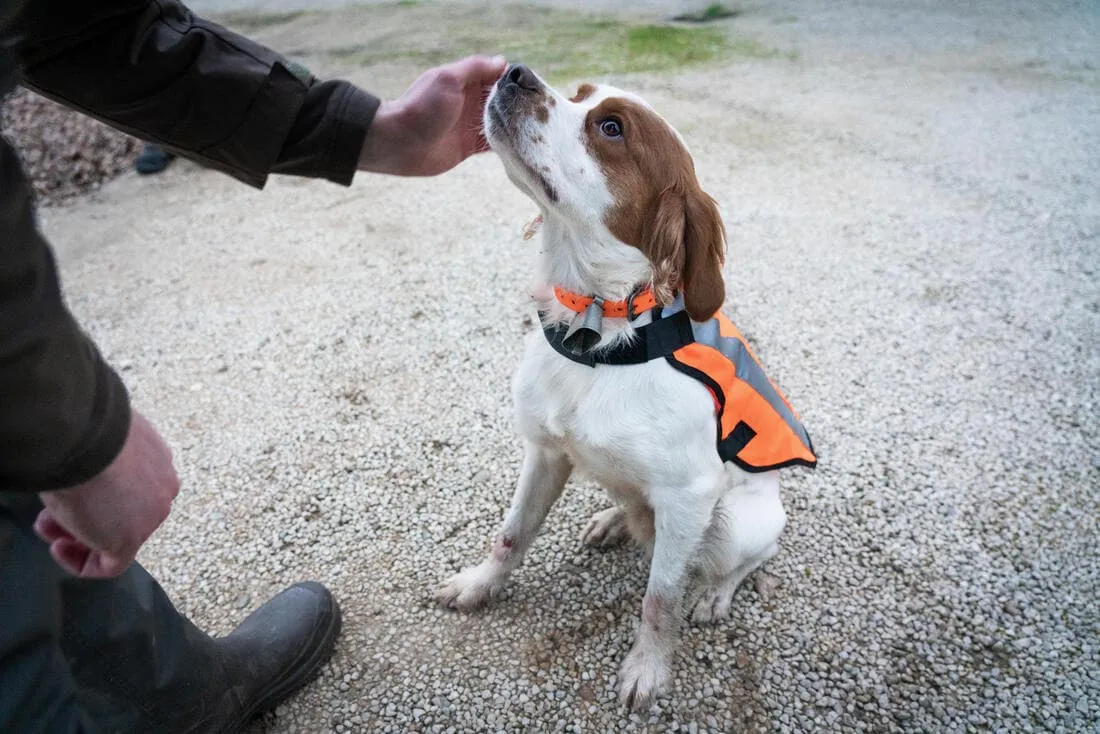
632, 254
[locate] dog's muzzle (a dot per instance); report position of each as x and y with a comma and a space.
517, 89
518, 79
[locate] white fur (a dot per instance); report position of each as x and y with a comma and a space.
646, 433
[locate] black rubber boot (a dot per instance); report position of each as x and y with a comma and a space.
114, 655
141, 666
279, 648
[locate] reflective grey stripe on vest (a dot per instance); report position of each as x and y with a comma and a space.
746, 367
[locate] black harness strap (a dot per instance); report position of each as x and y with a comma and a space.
655, 340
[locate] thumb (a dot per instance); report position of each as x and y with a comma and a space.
480, 71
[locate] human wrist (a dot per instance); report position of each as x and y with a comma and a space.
384, 145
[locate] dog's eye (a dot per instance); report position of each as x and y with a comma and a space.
612, 128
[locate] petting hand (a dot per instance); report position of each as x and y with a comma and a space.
95, 529
436, 123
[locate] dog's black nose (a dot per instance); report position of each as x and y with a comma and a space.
521, 76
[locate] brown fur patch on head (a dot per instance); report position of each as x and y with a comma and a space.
660, 207
542, 114
584, 91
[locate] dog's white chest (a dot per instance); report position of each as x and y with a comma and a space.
626, 427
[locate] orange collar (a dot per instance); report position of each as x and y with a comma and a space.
631, 307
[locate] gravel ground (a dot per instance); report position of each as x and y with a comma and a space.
66, 154
914, 218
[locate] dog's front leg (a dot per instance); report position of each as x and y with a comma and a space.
544, 473
681, 517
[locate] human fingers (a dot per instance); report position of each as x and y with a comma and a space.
48, 528
80, 560
478, 71
70, 554
99, 565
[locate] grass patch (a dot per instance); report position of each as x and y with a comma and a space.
657, 46
561, 46
709, 14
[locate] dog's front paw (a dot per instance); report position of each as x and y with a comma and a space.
607, 528
643, 677
469, 589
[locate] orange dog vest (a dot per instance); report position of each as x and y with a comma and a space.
757, 428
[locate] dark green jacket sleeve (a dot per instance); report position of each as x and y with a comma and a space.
152, 69
64, 413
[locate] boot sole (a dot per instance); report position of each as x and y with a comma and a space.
309, 669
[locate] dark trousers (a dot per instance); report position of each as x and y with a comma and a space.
96, 656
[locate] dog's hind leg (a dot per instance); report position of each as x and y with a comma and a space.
544, 473
743, 534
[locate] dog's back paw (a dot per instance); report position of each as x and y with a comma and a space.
712, 604
606, 529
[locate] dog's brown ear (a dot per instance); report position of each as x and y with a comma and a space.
665, 244
687, 245
704, 253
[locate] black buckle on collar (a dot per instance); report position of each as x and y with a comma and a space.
630, 314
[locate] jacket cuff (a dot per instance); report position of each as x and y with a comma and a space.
109, 426
327, 137
352, 121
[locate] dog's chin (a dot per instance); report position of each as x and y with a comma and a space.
523, 173
535, 185
493, 122
521, 176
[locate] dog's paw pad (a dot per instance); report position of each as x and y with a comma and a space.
712, 605
642, 678
606, 529
468, 590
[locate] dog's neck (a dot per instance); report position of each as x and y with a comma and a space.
588, 261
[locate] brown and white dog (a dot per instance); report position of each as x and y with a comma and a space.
622, 208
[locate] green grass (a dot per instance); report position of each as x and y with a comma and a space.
560, 46
583, 48
656, 47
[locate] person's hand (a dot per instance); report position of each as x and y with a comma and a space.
96, 528
436, 123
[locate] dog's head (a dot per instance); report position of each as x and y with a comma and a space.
605, 157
